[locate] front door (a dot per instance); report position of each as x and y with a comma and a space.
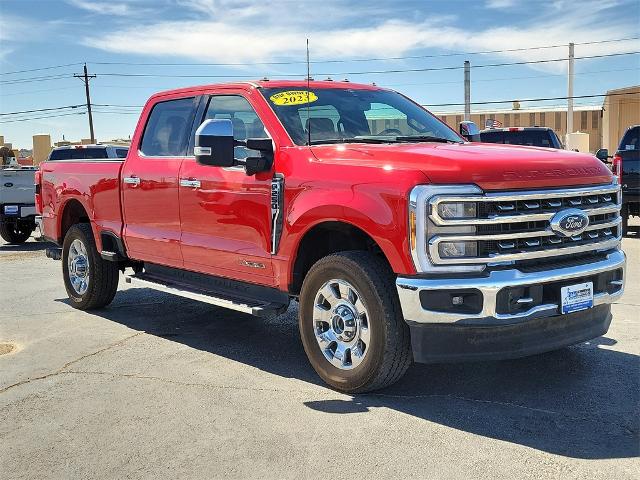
226, 213
150, 186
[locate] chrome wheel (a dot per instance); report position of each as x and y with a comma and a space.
341, 324
78, 264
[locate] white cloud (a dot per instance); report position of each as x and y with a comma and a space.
230, 32
102, 8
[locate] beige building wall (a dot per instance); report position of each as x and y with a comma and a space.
1, 140
41, 148
621, 110
584, 120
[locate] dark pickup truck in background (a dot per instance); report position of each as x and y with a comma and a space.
626, 166
530, 136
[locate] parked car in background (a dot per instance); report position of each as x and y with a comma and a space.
17, 203
88, 152
626, 166
532, 136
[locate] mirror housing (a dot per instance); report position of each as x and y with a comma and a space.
469, 130
253, 165
602, 154
214, 143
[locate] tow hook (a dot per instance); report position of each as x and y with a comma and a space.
54, 253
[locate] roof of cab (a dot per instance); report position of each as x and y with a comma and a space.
264, 83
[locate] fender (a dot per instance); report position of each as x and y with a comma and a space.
379, 210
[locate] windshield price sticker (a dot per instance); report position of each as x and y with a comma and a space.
293, 97
577, 297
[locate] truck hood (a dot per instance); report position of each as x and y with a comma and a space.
490, 166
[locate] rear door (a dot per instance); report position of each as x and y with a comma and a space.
151, 210
226, 213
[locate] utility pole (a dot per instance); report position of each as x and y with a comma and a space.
85, 78
570, 91
467, 90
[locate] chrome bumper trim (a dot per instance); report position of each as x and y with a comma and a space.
409, 289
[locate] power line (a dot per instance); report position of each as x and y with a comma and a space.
41, 110
41, 117
370, 72
43, 78
489, 102
41, 68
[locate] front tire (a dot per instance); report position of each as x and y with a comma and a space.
15, 233
90, 281
351, 323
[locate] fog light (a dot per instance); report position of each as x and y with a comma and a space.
452, 210
457, 300
458, 249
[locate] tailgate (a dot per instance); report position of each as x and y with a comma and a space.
17, 186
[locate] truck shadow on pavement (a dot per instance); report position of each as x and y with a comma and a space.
579, 402
24, 247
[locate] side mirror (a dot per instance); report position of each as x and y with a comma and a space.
602, 154
214, 143
469, 131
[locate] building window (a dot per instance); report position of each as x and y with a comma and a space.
458, 119
444, 118
583, 121
507, 120
542, 122
558, 121
483, 121
516, 119
595, 118
532, 119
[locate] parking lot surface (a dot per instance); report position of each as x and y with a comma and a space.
158, 386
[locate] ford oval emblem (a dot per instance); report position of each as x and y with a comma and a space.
569, 222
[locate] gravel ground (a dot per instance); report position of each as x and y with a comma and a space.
156, 386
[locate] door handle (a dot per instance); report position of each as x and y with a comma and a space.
190, 182
134, 181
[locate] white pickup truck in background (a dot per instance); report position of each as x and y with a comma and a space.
17, 203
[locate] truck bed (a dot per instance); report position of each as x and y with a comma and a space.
94, 185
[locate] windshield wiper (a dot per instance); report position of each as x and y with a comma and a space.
425, 138
354, 140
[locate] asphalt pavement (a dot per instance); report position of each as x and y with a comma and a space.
155, 386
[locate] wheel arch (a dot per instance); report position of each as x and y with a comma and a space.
72, 213
325, 238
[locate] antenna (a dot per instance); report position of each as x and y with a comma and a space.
308, 88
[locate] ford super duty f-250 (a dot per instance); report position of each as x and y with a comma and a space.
400, 240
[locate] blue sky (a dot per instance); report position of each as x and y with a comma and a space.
41, 33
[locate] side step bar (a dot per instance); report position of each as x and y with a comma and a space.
244, 305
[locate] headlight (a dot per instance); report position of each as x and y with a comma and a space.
458, 249
452, 210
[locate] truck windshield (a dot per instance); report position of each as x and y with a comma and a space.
334, 115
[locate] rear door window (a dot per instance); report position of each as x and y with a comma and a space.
166, 132
91, 153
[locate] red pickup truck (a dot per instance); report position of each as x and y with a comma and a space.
400, 240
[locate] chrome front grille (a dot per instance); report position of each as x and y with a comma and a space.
513, 226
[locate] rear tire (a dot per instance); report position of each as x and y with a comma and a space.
351, 323
14, 233
90, 281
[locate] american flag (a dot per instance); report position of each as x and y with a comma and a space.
492, 123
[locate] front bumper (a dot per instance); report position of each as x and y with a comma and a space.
498, 325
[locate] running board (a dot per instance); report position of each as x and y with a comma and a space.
244, 305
